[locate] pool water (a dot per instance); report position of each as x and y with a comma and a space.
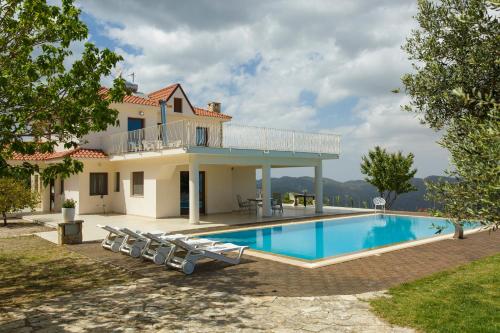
322, 239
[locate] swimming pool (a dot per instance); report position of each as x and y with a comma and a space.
318, 240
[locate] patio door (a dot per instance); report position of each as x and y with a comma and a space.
185, 192
135, 136
52, 195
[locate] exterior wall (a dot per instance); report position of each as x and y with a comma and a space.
72, 190
59, 198
168, 191
186, 109
244, 184
44, 199
126, 110
94, 204
124, 202
218, 187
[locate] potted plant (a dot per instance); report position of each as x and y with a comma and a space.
68, 210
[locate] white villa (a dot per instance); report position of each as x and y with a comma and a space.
168, 158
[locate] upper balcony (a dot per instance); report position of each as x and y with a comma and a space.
191, 134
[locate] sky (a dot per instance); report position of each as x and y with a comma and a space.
321, 66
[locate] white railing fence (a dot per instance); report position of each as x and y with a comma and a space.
190, 133
264, 138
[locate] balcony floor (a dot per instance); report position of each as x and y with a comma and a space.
176, 224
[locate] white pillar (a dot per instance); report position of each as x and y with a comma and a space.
266, 190
318, 186
194, 192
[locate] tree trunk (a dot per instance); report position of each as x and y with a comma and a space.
390, 202
4, 219
459, 231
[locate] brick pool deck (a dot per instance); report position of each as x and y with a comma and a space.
259, 277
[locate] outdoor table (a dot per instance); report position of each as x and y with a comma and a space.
302, 195
257, 201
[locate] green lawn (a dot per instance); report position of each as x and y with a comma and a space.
466, 299
33, 269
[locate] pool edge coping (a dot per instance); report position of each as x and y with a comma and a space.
340, 258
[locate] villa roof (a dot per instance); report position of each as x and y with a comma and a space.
133, 99
164, 94
80, 153
205, 113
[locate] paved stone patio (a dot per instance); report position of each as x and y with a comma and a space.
257, 295
158, 307
174, 224
260, 277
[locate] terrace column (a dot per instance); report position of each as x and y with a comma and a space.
194, 191
266, 190
318, 186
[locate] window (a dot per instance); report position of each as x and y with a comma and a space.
177, 104
62, 187
138, 183
134, 124
201, 136
98, 183
117, 182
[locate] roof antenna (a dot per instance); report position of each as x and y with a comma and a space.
133, 77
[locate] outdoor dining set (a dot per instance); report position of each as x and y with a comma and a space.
253, 204
176, 251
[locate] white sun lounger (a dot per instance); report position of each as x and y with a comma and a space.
160, 247
193, 254
114, 239
136, 243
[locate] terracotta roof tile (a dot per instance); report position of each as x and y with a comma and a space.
132, 98
205, 113
75, 153
163, 93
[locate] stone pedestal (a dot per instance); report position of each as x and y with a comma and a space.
70, 232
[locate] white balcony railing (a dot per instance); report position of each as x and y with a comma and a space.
191, 133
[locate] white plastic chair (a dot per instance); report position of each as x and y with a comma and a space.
193, 254
160, 248
114, 239
378, 201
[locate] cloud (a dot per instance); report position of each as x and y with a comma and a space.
259, 57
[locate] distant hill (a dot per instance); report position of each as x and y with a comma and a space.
357, 192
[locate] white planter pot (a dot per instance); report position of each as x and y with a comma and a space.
68, 214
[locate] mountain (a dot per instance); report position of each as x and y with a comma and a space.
358, 193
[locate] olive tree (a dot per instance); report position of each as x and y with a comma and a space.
15, 196
475, 153
454, 86
454, 47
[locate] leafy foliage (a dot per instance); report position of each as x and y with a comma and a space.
390, 173
455, 86
14, 196
475, 152
455, 46
69, 203
47, 98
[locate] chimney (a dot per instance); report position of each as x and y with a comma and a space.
214, 107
